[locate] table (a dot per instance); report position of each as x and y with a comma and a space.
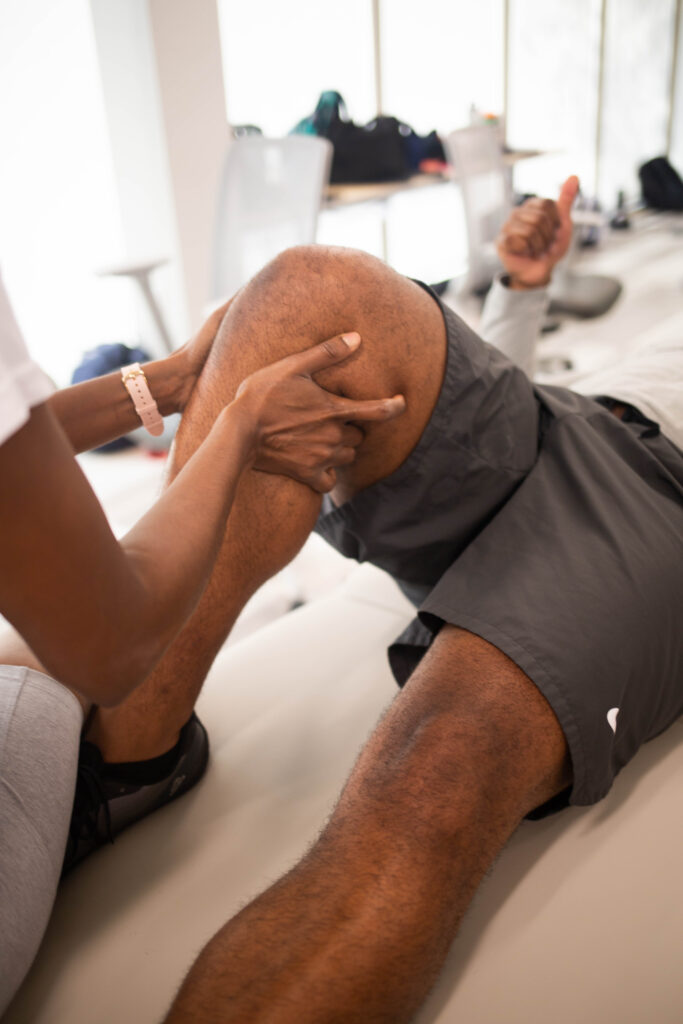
339, 196
379, 191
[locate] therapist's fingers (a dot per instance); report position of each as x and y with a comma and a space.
329, 353
325, 481
351, 436
323, 355
368, 410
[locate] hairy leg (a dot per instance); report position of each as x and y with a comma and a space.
304, 296
359, 929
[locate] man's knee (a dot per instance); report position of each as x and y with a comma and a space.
510, 727
301, 297
307, 294
469, 742
310, 293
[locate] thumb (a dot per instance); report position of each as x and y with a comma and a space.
327, 353
568, 194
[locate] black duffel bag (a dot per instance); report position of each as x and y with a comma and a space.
371, 152
385, 149
661, 184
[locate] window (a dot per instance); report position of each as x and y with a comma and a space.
638, 55
278, 58
439, 59
59, 215
554, 50
677, 113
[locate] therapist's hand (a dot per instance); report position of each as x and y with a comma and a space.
300, 429
536, 236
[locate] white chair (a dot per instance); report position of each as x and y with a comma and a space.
578, 294
476, 156
140, 272
269, 198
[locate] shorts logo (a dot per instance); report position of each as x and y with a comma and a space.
176, 784
612, 718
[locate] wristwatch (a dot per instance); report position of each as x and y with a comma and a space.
135, 383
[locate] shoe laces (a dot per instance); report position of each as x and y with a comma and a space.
89, 798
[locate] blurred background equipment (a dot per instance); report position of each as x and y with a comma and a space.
269, 198
476, 156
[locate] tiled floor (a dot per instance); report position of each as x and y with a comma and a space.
648, 260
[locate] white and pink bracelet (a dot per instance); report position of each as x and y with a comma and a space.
135, 383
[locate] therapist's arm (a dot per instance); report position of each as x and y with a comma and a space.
101, 409
99, 614
533, 240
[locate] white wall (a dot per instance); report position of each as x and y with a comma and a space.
279, 57
676, 154
132, 102
638, 55
188, 59
161, 70
114, 128
59, 212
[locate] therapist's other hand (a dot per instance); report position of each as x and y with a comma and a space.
536, 236
299, 428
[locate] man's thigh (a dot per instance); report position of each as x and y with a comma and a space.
484, 727
467, 749
578, 580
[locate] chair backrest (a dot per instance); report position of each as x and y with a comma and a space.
476, 155
269, 198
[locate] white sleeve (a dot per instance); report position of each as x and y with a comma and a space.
22, 383
512, 320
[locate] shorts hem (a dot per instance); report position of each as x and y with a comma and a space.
581, 793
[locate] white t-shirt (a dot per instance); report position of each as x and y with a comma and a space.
22, 383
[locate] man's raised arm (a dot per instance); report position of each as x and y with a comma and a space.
534, 238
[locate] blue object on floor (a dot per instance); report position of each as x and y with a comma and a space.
105, 359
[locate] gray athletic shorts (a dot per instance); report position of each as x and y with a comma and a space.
568, 557
40, 725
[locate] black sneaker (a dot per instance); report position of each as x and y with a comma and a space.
108, 800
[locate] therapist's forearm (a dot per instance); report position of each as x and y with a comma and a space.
101, 409
172, 549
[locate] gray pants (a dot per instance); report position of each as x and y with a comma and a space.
40, 725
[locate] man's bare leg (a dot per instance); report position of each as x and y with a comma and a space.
304, 296
357, 932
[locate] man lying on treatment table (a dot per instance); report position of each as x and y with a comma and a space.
538, 531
